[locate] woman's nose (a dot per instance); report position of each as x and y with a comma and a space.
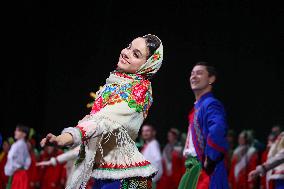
125, 53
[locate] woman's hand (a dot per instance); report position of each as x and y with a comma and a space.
61, 140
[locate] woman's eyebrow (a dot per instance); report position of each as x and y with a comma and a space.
138, 51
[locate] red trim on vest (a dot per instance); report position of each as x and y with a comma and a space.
83, 132
215, 146
120, 166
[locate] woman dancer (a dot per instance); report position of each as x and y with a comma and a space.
108, 152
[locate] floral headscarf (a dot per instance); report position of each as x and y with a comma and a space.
153, 63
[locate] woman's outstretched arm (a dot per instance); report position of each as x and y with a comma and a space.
64, 139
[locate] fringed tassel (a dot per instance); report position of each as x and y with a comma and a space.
128, 153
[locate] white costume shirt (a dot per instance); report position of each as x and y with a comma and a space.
18, 158
189, 149
152, 153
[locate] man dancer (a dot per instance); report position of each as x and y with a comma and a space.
206, 143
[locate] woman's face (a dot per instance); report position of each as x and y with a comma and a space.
6, 146
242, 139
171, 137
134, 56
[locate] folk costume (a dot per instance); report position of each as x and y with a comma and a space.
52, 176
275, 164
107, 135
206, 139
152, 153
173, 164
4, 179
18, 163
244, 160
33, 171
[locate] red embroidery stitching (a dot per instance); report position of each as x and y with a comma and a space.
120, 166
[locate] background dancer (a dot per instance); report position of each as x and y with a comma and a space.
19, 160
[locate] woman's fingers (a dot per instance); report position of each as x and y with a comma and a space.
43, 142
61, 140
50, 138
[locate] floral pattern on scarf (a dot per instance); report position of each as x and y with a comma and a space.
137, 94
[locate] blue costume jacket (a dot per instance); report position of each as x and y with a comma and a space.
209, 137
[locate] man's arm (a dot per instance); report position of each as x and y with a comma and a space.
217, 129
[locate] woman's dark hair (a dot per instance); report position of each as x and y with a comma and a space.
24, 129
152, 42
174, 131
248, 136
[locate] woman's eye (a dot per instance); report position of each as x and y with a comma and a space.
135, 55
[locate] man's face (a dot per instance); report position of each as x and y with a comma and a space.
199, 78
147, 132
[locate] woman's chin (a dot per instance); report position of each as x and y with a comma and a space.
121, 66
118, 69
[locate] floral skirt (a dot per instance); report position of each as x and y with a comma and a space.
129, 183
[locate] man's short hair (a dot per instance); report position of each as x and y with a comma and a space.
210, 69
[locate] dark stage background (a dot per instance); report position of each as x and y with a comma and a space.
63, 51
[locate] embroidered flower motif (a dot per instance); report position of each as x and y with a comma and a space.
148, 70
115, 98
109, 88
124, 95
136, 94
98, 105
156, 56
139, 92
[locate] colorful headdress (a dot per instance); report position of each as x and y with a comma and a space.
153, 63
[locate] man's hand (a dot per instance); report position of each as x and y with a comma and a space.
209, 166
